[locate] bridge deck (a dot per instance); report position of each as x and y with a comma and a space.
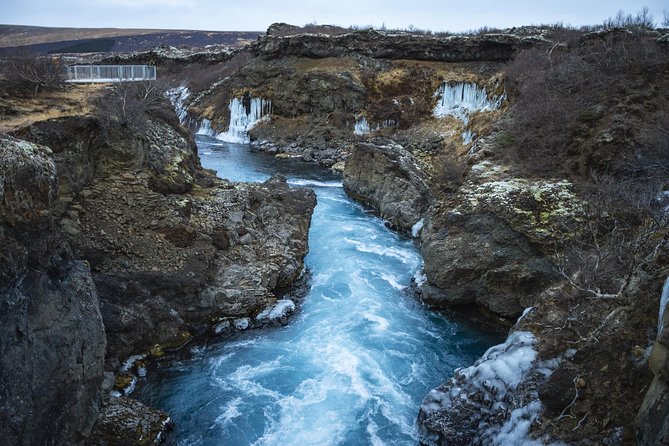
110, 73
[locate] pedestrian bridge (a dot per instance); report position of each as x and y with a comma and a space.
110, 73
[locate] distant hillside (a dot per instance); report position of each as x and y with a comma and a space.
83, 40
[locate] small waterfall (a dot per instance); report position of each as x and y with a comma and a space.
663, 305
177, 97
467, 137
361, 126
462, 99
240, 121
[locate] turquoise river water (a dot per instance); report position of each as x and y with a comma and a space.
352, 365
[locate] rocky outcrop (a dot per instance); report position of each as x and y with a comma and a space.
491, 245
166, 251
52, 340
564, 373
385, 176
487, 246
395, 45
479, 258
171, 247
127, 422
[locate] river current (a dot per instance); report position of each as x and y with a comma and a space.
354, 363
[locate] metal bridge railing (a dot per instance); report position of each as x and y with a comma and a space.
110, 73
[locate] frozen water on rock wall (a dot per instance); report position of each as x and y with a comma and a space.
177, 97
462, 99
663, 305
494, 379
241, 121
361, 126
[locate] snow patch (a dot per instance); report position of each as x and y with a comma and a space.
280, 309
242, 324
128, 363
516, 429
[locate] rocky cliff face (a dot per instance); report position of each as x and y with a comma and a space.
162, 259
385, 177
653, 417
393, 45
164, 249
52, 339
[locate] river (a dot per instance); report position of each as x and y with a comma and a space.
350, 368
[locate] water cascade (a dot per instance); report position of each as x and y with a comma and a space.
241, 120
177, 97
663, 305
361, 126
462, 100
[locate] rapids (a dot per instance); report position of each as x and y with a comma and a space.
354, 363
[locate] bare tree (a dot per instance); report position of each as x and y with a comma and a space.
129, 103
26, 71
622, 235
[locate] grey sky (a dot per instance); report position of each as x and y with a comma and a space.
226, 15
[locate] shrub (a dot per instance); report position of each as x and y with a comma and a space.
128, 104
27, 73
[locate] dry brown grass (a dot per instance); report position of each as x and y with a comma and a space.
11, 35
21, 112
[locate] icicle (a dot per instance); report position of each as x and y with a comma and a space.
467, 137
463, 99
361, 126
241, 122
177, 97
663, 305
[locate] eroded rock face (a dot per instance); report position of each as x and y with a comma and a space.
479, 258
52, 339
385, 176
165, 260
388, 45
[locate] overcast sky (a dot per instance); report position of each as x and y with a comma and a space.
252, 15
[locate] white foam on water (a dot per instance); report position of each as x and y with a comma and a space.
372, 430
392, 280
381, 324
315, 183
405, 256
230, 411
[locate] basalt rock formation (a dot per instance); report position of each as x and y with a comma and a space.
52, 339
395, 45
118, 243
